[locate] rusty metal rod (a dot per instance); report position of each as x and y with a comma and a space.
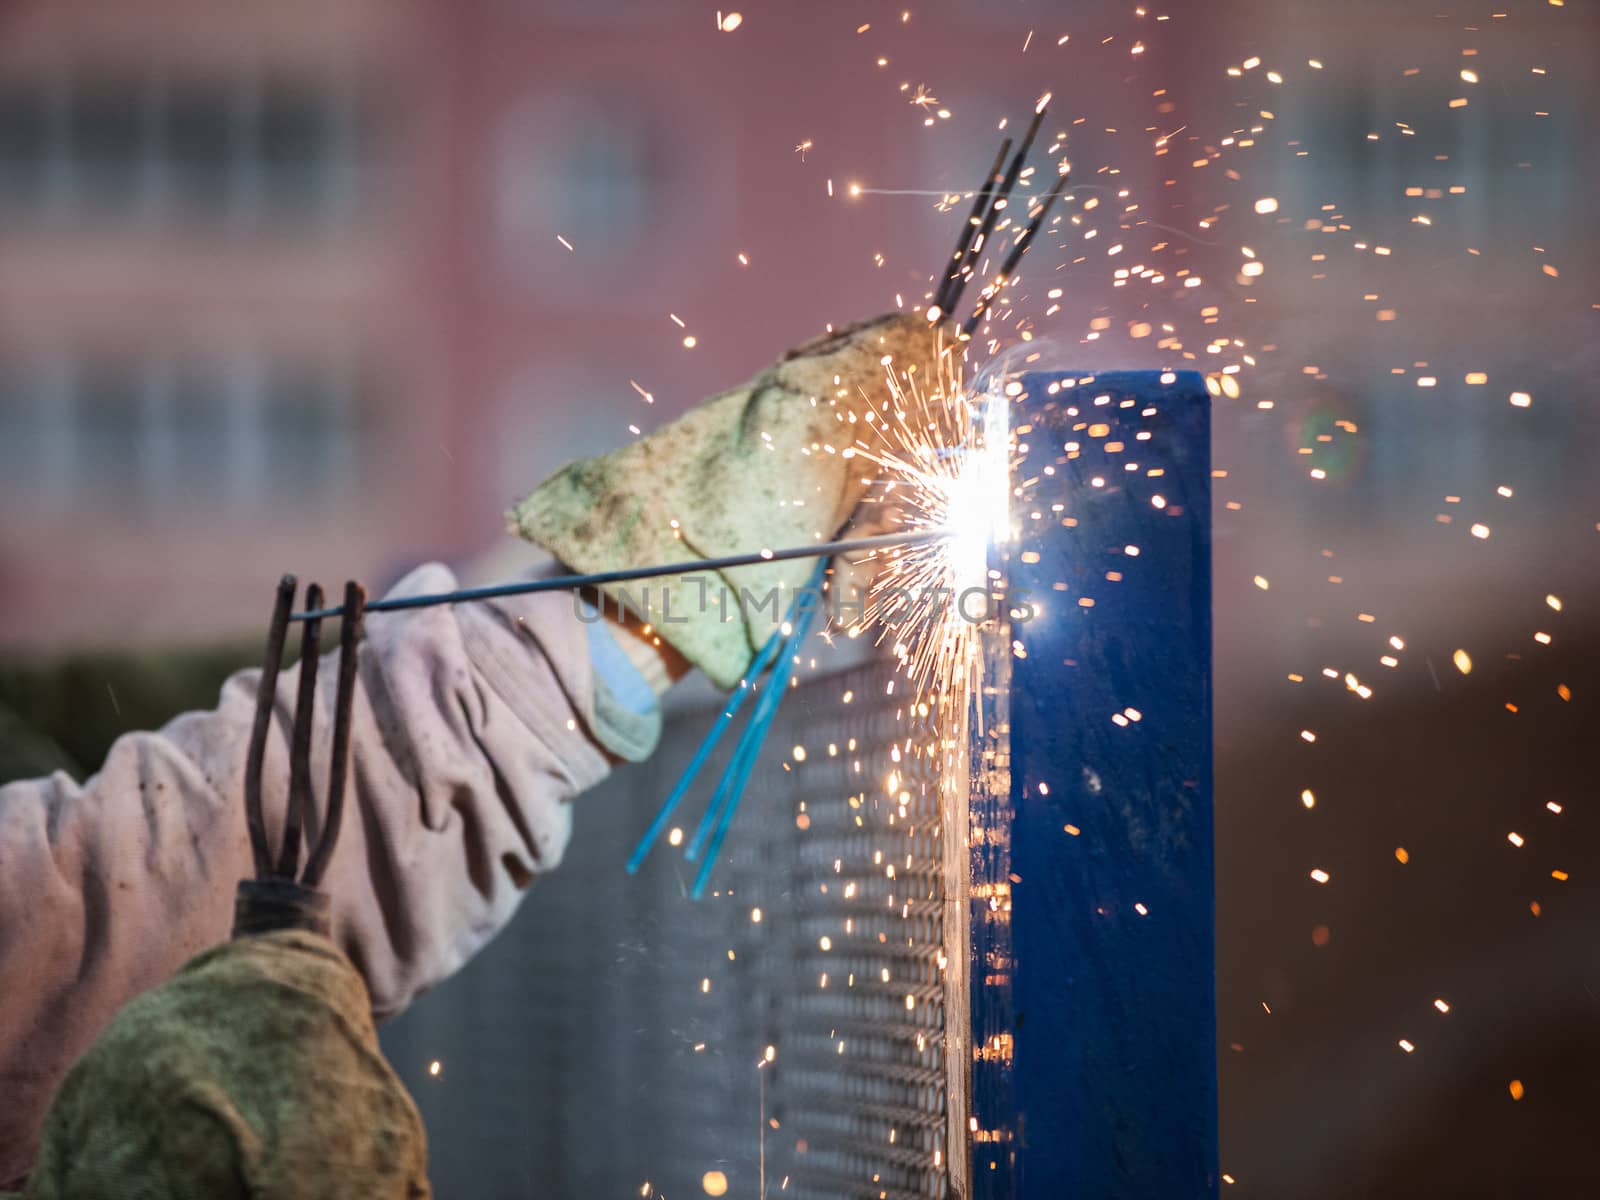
266, 697
354, 608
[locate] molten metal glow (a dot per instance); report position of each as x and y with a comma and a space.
943, 455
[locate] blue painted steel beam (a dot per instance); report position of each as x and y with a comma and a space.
1104, 976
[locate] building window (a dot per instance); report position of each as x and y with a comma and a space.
25, 145
167, 433
242, 152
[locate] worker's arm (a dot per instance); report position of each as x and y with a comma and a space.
474, 727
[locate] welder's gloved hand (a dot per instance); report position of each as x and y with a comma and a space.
253, 1072
764, 466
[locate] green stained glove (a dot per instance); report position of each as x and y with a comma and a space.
765, 466
253, 1072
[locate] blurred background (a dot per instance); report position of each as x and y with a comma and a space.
326, 286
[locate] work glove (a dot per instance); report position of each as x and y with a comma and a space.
768, 465
253, 1072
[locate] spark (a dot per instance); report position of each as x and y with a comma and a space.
943, 456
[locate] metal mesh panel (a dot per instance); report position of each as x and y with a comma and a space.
611, 1036
860, 1082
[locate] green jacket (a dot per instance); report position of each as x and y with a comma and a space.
63, 713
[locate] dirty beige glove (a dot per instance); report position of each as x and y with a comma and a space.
253, 1072
764, 466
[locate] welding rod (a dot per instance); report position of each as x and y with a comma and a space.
1018, 249
953, 284
1002, 194
559, 583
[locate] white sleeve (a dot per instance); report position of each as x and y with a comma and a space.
474, 727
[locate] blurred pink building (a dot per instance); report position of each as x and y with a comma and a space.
286, 287
216, 341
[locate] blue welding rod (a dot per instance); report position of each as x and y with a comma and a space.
755, 735
724, 790
707, 745
733, 784
798, 624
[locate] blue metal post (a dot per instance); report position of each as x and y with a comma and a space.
1104, 977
